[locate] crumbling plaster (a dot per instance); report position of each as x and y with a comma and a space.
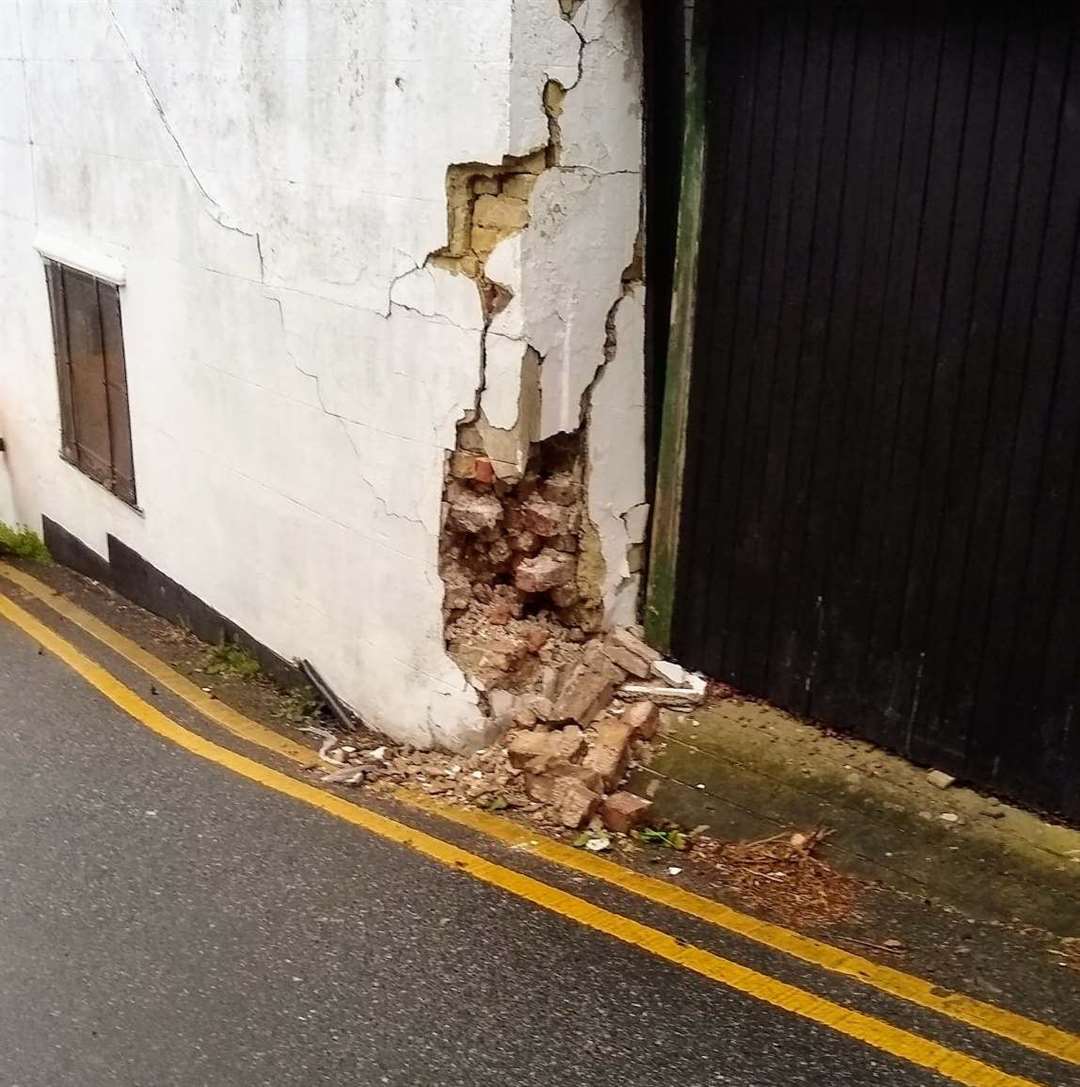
566, 274
272, 177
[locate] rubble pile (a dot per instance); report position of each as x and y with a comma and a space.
571, 708
573, 745
562, 751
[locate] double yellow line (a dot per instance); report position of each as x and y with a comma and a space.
910, 1047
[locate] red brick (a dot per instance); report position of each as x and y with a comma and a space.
622, 812
574, 802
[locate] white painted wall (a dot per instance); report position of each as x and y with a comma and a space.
270, 175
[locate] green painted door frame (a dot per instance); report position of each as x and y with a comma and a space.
667, 503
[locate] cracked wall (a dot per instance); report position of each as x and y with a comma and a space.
562, 363
304, 332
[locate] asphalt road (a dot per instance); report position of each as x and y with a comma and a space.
165, 922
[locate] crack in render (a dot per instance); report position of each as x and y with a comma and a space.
390, 303
611, 345
218, 213
568, 9
343, 420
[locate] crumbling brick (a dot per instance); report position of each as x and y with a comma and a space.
489, 657
500, 613
568, 742
587, 690
548, 519
490, 537
475, 513
643, 718
526, 746
485, 238
536, 637
524, 717
547, 570
549, 682
483, 185
535, 163
564, 596
627, 661
502, 706
560, 745
541, 786
633, 644
562, 489
499, 552
503, 213
468, 465
461, 464
574, 802
614, 732
541, 706
459, 590
622, 812
609, 754
525, 541
519, 186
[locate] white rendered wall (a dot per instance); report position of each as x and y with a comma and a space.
271, 178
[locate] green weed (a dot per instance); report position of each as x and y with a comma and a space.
230, 659
21, 542
300, 703
670, 838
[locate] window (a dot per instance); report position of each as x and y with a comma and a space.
90, 370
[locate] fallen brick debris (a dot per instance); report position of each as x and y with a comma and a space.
565, 742
565, 773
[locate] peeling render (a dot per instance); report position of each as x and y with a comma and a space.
560, 407
360, 239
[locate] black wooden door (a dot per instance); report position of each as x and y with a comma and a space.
881, 512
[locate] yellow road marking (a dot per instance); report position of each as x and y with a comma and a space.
167, 676
883, 1036
1030, 1033
1034, 1035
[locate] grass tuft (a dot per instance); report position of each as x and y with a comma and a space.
21, 542
230, 659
